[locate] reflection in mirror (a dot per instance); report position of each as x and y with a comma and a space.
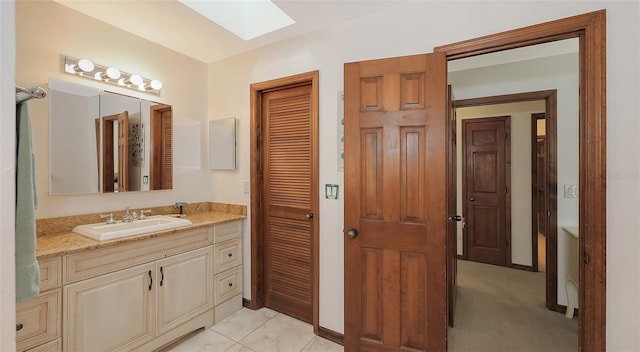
73, 142
107, 142
121, 172
160, 169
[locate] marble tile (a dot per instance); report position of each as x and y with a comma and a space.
318, 344
281, 333
239, 348
206, 341
243, 322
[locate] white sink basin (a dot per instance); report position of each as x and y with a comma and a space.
104, 232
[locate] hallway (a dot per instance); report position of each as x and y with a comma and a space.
502, 309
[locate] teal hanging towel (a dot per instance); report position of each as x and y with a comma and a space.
27, 269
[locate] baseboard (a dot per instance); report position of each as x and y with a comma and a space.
331, 335
247, 303
521, 267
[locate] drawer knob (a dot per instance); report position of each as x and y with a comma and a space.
19, 327
231, 284
230, 255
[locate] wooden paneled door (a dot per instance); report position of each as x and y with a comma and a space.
485, 188
288, 197
452, 217
395, 204
109, 151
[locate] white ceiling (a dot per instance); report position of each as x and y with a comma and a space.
173, 25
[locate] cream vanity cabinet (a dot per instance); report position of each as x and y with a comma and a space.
149, 293
142, 294
38, 321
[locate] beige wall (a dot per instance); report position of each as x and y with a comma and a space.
413, 27
47, 32
7, 178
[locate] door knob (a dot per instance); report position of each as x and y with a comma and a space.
309, 216
352, 234
472, 199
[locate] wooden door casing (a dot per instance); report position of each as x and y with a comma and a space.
485, 189
452, 194
288, 169
395, 177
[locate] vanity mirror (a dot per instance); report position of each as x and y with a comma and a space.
101, 141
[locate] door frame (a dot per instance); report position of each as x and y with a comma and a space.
507, 181
550, 97
590, 28
257, 207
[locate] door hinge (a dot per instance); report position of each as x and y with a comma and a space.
586, 257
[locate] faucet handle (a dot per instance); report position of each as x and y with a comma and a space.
111, 220
181, 205
142, 216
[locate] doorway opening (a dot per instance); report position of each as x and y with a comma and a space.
590, 29
284, 196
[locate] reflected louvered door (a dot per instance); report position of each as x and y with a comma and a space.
288, 189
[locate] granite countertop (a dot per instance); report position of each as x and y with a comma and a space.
52, 245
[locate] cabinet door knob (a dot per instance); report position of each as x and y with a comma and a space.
19, 327
230, 255
231, 284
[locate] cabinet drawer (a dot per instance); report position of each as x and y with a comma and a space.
227, 231
38, 320
227, 285
53, 346
96, 262
50, 273
227, 255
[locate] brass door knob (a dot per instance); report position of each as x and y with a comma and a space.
352, 234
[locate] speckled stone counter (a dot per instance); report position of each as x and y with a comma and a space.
56, 238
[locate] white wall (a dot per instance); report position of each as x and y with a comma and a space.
47, 32
417, 27
7, 178
520, 140
557, 72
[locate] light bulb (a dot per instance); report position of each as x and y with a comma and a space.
156, 84
84, 65
113, 73
135, 80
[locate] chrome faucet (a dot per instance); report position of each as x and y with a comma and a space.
129, 216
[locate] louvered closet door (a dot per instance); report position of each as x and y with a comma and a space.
288, 188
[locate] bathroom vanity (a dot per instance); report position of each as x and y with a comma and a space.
135, 293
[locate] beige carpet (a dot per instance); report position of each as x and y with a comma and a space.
501, 309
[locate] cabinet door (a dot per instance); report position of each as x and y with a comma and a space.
113, 312
185, 287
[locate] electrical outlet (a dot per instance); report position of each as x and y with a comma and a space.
571, 191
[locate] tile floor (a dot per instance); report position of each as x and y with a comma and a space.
263, 330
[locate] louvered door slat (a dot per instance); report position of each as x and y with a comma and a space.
288, 185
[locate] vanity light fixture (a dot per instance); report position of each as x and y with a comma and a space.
112, 75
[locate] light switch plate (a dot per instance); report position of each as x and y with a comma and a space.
247, 187
571, 191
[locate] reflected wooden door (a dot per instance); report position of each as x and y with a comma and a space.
485, 189
395, 204
289, 182
115, 128
123, 151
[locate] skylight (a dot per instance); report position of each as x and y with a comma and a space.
247, 19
